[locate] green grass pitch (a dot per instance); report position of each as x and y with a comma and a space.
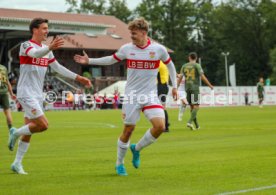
235, 149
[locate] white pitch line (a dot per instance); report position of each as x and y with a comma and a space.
249, 190
82, 124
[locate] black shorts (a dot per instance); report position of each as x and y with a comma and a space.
193, 97
162, 91
4, 101
260, 95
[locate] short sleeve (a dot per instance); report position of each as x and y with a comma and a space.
121, 53
199, 69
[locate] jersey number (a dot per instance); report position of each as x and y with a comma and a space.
190, 74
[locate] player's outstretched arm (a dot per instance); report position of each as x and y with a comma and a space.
84, 81
39, 53
69, 74
84, 59
206, 81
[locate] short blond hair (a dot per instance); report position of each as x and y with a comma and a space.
139, 24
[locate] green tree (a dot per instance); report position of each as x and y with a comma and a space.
119, 9
87, 6
206, 42
241, 31
170, 24
272, 63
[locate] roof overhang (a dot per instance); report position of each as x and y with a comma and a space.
11, 25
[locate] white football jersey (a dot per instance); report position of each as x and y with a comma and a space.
32, 70
142, 66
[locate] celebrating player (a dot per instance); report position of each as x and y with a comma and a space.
35, 58
142, 58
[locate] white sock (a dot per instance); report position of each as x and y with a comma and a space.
121, 151
181, 110
21, 150
24, 130
146, 140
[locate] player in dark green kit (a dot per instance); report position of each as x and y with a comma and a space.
5, 87
260, 89
193, 72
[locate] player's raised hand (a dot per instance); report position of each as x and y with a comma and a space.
85, 81
174, 94
56, 43
82, 59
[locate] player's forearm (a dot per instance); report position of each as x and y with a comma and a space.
205, 80
38, 53
172, 72
10, 89
62, 70
108, 60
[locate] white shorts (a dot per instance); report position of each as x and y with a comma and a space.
182, 95
33, 107
151, 110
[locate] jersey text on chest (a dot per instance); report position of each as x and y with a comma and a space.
143, 64
34, 61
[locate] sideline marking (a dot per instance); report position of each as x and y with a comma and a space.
248, 190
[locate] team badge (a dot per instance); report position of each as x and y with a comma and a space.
26, 45
33, 111
152, 54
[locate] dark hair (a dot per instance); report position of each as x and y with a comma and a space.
193, 55
35, 23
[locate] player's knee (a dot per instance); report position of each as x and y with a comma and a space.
128, 131
43, 126
160, 127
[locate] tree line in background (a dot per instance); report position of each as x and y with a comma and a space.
244, 28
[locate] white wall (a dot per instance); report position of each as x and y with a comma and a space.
235, 96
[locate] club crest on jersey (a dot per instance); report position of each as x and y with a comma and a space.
152, 54
33, 111
26, 45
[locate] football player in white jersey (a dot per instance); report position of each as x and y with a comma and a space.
182, 98
142, 57
35, 58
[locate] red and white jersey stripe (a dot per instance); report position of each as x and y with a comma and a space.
142, 66
32, 70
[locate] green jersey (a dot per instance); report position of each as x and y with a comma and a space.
260, 87
3, 80
192, 73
